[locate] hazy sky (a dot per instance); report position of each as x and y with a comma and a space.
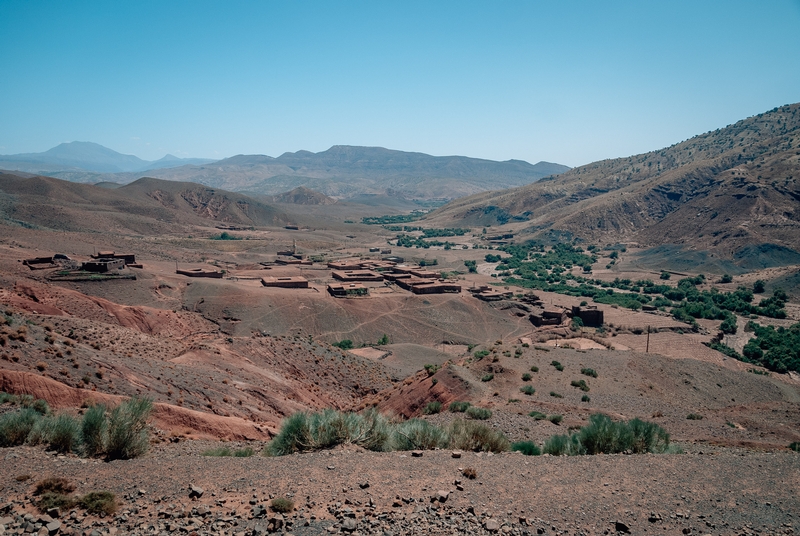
567, 82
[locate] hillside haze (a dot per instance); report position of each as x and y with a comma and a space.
341, 172
733, 191
81, 156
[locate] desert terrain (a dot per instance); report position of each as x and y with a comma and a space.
228, 319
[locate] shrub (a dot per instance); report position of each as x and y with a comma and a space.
432, 408
469, 472
585, 398
418, 434
694, 417
527, 389
534, 368
555, 419
559, 367
459, 407
537, 415
303, 432
477, 437
243, 453
487, 377
560, 445
602, 435
480, 414
64, 433
528, 448
94, 430
15, 426
345, 344
589, 372
795, 446
40, 406
99, 502
555, 395
218, 452
480, 354
53, 485
50, 500
526, 377
128, 436
580, 384
431, 369
294, 436
282, 505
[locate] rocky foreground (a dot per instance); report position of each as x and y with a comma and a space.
176, 490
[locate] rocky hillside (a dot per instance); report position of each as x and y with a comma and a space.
724, 191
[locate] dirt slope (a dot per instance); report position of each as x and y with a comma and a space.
720, 191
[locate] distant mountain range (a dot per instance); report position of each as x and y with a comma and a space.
341, 172
734, 192
86, 156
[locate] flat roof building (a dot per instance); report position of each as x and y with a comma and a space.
103, 266
347, 290
294, 281
356, 275
200, 272
436, 287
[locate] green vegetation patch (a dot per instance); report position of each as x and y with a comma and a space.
604, 436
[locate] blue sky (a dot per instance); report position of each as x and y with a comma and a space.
569, 82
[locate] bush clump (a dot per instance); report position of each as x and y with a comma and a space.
459, 406
528, 448
527, 389
526, 377
99, 502
537, 415
555, 419
303, 432
59, 432
558, 366
604, 436
94, 430
487, 377
128, 435
16, 426
795, 446
585, 398
227, 452
480, 414
694, 417
282, 505
476, 437
580, 384
431, 408
589, 372
534, 368
418, 434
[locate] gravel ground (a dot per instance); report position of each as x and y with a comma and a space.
715, 491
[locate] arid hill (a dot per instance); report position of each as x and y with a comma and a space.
303, 196
142, 207
724, 191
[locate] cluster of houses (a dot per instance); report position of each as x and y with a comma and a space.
350, 275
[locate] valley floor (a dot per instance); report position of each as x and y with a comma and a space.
708, 491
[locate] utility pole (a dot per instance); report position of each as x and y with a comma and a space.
647, 350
